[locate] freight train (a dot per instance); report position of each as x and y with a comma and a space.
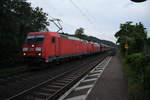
51, 46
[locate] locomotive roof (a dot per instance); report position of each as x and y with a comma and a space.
51, 33
71, 37
63, 36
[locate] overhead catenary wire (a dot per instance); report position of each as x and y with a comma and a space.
85, 15
81, 11
56, 22
57, 13
89, 14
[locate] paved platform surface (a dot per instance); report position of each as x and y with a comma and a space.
111, 85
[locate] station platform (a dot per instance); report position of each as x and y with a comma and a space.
111, 85
105, 82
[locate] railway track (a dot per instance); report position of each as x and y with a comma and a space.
52, 88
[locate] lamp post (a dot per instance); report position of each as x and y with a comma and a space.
126, 43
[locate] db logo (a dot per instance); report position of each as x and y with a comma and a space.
31, 49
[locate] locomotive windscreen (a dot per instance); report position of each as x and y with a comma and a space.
34, 38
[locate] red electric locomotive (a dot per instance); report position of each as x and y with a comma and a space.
51, 46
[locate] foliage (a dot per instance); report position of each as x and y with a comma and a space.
138, 75
133, 35
17, 18
148, 45
80, 33
136, 61
137, 67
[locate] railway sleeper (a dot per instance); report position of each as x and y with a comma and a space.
58, 83
32, 96
62, 81
68, 79
55, 86
41, 95
46, 90
50, 90
75, 74
65, 81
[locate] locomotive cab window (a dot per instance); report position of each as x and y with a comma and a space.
53, 39
34, 38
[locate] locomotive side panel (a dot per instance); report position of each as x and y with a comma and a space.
50, 46
66, 46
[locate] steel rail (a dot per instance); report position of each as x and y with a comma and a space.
75, 71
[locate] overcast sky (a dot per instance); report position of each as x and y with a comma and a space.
99, 18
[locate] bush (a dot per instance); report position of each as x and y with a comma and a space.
136, 63
138, 75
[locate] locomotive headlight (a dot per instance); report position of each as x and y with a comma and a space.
32, 45
25, 49
38, 49
24, 54
39, 54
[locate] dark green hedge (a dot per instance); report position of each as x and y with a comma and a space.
138, 76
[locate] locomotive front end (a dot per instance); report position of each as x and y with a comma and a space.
33, 48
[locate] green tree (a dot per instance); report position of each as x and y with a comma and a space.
148, 44
133, 35
80, 33
39, 20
